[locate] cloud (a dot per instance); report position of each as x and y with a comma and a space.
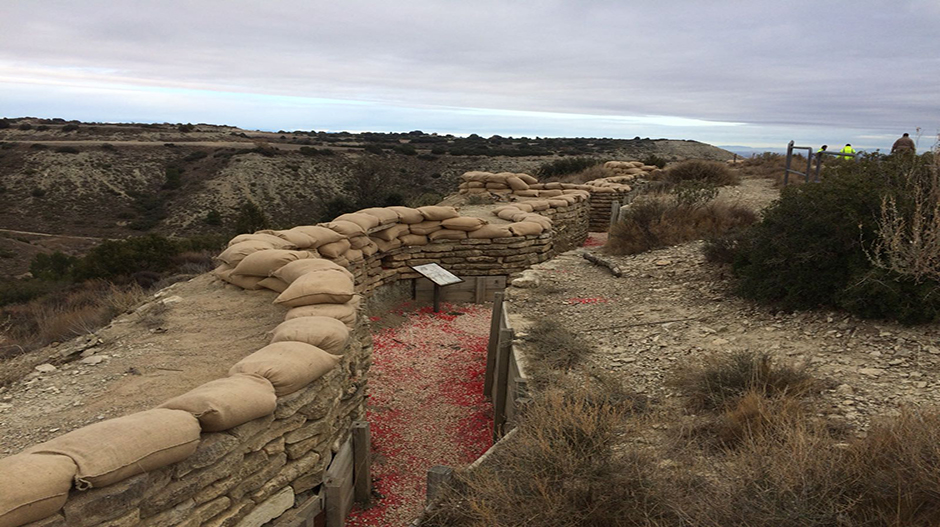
859, 68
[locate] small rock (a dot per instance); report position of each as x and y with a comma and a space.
46, 368
4, 407
719, 342
932, 350
920, 384
872, 372
895, 362
845, 389
172, 300
94, 359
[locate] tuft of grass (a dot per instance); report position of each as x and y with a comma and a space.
659, 221
713, 172
588, 174
554, 347
721, 381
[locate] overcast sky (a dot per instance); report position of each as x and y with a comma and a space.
752, 72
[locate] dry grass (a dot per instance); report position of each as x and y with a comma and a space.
712, 172
588, 174
659, 221
554, 347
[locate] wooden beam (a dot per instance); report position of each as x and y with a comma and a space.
491, 346
480, 293
501, 381
362, 463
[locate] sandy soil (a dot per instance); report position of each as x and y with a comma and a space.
191, 334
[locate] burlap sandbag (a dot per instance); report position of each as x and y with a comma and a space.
335, 249
369, 250
245, 282
386, 246
365, 221
447, 234
319, 234
346, 228
546, 223
226, 403
358, 242
295, 270
507, 213
301, 240
274, 284
463, 223
496, 186
234, 254
289, 366
555, 203
407, 215
475, 184
413, 239
550, 193
527, 193
426, 227
538, 204
437, 213
391, 233
525, 228
525, 207
516, 183
33, 486
116, 449
345, 313
326, 333
263, 263
385, 215
354, 255
328, 287
527, 178
275, 241
491, 231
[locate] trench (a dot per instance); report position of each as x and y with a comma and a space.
425, 405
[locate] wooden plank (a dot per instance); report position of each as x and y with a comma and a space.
362, 462
491, 345
480, 295
339, 486
500, 381
439, 477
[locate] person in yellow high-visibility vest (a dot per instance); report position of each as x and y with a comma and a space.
847, 149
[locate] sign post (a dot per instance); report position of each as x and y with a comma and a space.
438, 276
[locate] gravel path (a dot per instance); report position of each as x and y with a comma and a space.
426, 406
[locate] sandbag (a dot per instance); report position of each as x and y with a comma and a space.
275, 241
407, 215
474, 184
335, 249
550, 193
366, 221
507, 213
114, 450
289, 366
274, 284
525, 228
318, 288
320, 235
413, 239
346, 228
516, 183
295, 270
525, 207
539, 204
463, 223
345, 313
391, 233
529, 180
263, 263
425, 227
226, 403
437, 213
447, 234
326, 333
385, 246
236, 253
33, 486
527, 193
491, 231
546, 223
369, 250
555, 203
385, 215
358, 242
245, 282
301, 240
354, 255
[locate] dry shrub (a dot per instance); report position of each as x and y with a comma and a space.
659, 221
560, 468
554, 347
194, 262
588, 174
721, 381
713, 172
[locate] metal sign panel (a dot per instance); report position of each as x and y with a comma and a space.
437, 274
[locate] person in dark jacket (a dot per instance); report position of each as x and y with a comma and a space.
904, 145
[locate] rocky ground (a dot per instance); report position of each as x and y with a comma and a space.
671, 307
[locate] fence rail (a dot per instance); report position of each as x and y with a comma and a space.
505, 383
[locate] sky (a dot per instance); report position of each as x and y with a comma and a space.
752, 72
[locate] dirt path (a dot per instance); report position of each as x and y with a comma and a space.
426, 406
50, 235
671, 306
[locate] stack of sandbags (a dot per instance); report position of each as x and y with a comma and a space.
477, 182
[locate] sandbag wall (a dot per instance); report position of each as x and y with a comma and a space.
248, 448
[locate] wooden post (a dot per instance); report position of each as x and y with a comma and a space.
491, 345
437, 298
439, 477
362, 463
503, 355
479, 294
614, 212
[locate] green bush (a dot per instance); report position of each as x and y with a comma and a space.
708, 171
19, 291
196, 156
125, 257
214, 218
810, 248
566, 165
654, 160
70, 127
67, 150
55, 266
250, 218
38, 192
174, 178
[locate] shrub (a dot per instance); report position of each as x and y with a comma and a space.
810, 248
123, 258
38, 146
25, 126
438, 150
19, 291
214, 218
723, 248
250, 218
174, 179
70, 127
659, 221
4, 124
588, 174
654, 160
555, 347
713, 172
566, 165
52, 267
151, 209
694, 192
67, 150
38, 192
408, 150
373, 149
196, 156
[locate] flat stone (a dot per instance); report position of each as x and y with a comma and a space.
46, 368
270, 509
231, 516
94, 359
258, 479
172, 517
56, 520
212, 447
96, 506
206, 511
291, 471
872, 372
